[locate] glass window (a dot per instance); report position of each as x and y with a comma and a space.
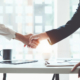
38, 1
48, 28
1, 19
29, 29
38, 19
74, 39
29, 19
38, 29
74, 7
25, 17
1, 9
29, 9
48, 1
8, 1
9, 9
18, 1
48, 9
19, 9
18, 19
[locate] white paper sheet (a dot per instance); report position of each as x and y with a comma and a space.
60, 64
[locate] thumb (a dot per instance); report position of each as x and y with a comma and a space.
33, 38
28, 35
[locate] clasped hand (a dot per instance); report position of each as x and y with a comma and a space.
32, 41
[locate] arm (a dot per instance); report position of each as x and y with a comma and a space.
10, 34
62, 32
22, 38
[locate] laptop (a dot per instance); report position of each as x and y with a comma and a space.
16, 62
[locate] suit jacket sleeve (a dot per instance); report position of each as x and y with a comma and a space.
62, 32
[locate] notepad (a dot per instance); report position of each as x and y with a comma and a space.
60, 64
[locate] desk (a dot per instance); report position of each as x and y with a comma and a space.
37, 67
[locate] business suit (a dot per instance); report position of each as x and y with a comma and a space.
62, 32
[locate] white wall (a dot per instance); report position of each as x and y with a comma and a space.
63, 14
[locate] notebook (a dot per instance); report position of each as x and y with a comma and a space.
60, 64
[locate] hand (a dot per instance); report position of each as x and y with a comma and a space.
23, 38
34, 44
75, 68
27, 39
38, 37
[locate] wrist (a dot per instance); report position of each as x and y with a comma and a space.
21, 38
43, 36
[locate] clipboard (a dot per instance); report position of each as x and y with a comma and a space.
59, 64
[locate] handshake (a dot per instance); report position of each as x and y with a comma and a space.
31, 40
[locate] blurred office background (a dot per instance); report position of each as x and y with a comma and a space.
37, 16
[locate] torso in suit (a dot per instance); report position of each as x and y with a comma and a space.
62, 32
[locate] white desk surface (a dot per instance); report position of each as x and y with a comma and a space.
37, 67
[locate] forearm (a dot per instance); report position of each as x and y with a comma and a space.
21, 38
43, 36
62, 32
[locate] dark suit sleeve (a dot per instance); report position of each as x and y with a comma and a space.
62, 32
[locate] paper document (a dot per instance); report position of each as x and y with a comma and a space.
60, 64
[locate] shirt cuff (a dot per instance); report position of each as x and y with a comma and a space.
49, 41
11, 34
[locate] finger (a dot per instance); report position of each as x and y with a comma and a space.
33, 46
28, 35
30, 39
35, 42
24, 45
28, 46
33, 38
79, 73
75, 67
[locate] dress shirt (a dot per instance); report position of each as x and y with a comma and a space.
6, 32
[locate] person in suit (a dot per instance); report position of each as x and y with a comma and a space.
10, 34
56, 35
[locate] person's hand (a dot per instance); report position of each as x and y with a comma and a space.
26, 42
75, 68
38, 38
34, 44
24, 39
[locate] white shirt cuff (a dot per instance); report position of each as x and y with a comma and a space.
6, 32
11, 34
